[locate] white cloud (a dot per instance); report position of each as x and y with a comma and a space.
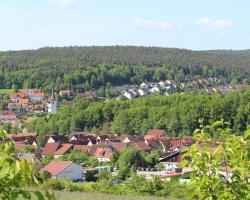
221, 23
63, 2
203, 21
152, 24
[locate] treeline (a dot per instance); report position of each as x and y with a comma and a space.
94, 67
179, 114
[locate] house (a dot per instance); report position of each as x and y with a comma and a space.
162, 83
38, 109
155, 89
130, 94
64, 170
140, 146
16, 96
20, 146
9, 118
144, 85
64, 92
178, 143
93, 148
171, 160
57, 138
166, 94
119, 147
156, 134
107, 138
159, 144
57, 149
82, 148
34, 94
27, 138
103, 154
24, 102
86, 95
80, 136
143, 91
62, 150
50, 148
130, 138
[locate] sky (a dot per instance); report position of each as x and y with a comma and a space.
190, 24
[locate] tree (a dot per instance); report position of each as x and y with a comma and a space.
46, 160
126, 161
221, 163
16, 175
76, 156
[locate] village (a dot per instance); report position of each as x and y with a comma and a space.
169, 87
102, 148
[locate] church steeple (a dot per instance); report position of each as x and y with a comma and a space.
52, 107
53, 95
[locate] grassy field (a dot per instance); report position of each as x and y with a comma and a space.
6, 91
100, 196
60, 195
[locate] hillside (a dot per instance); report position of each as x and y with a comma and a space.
119, 65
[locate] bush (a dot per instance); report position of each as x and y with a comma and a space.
54, 184
90, 175
45, 175
46, 160
136, 185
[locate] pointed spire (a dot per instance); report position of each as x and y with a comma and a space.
53, 94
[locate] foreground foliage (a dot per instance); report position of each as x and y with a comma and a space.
136, 185
16, 175
222, 163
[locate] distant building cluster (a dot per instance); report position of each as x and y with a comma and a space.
168, 87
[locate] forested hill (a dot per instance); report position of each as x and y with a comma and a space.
130, 55
48, 61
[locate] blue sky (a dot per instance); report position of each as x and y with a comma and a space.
191, 24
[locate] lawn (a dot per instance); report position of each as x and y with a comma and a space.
101, 196
6, 91
62, 195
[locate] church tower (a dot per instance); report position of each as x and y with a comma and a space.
52, 107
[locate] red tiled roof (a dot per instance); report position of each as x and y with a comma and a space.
15, 95
58, 138
9, 117
64, 149
25, 135
140, 146
93, 148
50, 148
132, 138
24, 101
19, 146
86, 94
82, 148
55, 167
38, 94
155, 134
65, 92
119, 146
103, 153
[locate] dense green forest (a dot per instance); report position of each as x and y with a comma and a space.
86, 68
179, 114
